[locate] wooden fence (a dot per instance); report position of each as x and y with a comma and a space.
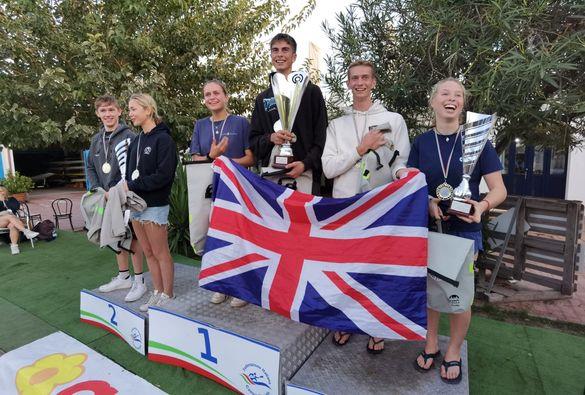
547, 254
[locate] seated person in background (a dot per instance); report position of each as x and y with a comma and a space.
221, 133
8, 219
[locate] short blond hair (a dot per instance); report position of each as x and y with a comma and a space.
4, 191
147, 102
366, 63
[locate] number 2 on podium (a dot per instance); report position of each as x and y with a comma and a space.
113, 317
207, 354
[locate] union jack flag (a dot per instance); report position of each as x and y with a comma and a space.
357, 264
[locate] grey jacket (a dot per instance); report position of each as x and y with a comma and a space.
117, 147
105, 220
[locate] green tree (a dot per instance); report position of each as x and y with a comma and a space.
522, 59
56, 57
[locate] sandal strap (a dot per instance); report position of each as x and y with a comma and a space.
375, 341
451, 364
433, 355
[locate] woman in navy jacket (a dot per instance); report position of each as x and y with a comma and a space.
152, 161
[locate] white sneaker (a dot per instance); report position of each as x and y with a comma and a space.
218, 298
116, 283
151, 301
235, 302
163, 299
29, 234
14, 249
136, 292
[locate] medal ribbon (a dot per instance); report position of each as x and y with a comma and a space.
221, 131
443, 169
106, 148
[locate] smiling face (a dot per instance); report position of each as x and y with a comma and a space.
214, 97
361, 82
109, 114
282, 56
447, 102
137, 113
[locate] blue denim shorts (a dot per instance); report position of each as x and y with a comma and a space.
158, 215
475, 236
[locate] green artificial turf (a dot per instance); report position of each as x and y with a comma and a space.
39, 294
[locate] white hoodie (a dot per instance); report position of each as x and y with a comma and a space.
341, 161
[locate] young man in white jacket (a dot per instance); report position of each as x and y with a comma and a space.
366, 147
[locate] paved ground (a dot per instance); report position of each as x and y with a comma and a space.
570, 310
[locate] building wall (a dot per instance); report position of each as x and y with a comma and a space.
575, 189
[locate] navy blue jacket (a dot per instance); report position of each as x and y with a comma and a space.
156, 155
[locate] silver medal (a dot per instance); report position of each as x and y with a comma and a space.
106, 168
135, 174
444, 191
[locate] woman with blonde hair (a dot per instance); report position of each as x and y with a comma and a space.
8, 219
438, 154
150, 172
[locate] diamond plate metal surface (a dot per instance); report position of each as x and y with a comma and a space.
295, 340
335, 370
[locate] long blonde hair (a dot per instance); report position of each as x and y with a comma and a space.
147, 102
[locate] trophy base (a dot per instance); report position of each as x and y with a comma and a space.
460, 207
280, 161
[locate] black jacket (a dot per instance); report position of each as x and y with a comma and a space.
10, 204
157, 165
310, 126
97, 156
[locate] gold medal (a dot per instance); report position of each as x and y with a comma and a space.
444, 191
106, 168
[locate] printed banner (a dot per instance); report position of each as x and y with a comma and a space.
119, 320
241, 364
60, 365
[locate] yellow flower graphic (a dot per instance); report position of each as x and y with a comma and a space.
46, 373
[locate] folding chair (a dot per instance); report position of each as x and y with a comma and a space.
62, 208
26, 220
25, 212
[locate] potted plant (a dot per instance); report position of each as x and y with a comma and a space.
18, 185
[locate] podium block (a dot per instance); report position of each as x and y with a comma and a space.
352, 370
247, 349
112, 315
109, 311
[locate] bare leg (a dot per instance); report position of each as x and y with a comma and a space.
432, 342
153, 264
14, 234
122, 259
459, 324
158, 239
137, 256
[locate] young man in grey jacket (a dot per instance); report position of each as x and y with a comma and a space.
105, 166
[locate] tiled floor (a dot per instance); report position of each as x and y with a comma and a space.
571, 310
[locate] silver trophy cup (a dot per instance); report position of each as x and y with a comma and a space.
475, 134
288, 93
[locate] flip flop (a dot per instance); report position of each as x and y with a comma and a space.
342, 335
426, 357
451, 364
373, 349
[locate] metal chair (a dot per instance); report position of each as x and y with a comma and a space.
26, 220
24, 213
62, 208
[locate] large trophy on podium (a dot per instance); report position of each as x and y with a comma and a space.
288, 93
475, 134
